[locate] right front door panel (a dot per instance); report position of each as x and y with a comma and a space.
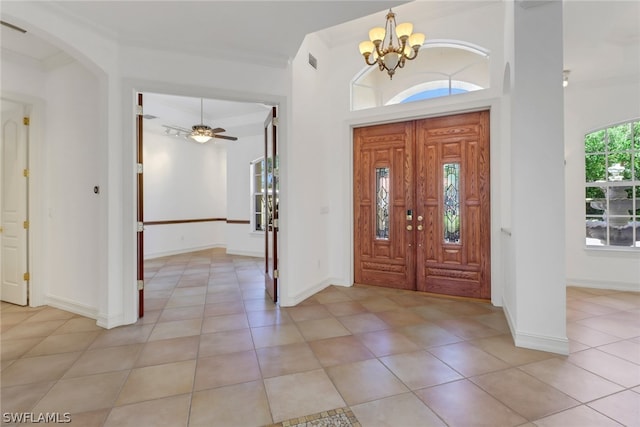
452, 176
444, 181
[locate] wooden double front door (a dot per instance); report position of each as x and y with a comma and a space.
421, 205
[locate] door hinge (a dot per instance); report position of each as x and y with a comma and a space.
25, 121
26, 276
276, 274
275, 223
140, 285
140, 226
25, 173
25, 225
139, 110
139, 168
1, 229
276, 121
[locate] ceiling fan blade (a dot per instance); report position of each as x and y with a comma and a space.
230, 138
217, 130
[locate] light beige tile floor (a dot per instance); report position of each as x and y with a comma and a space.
212, 350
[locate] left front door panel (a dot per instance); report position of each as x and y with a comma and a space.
383, 203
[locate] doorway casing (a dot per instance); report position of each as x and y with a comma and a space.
131, 88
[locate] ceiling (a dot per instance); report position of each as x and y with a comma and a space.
237, 118
601, 38
259, 31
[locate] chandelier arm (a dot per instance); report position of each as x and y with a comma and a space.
366, 59
380, 51
415, 54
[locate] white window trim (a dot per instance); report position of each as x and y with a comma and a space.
253, 193
634, 182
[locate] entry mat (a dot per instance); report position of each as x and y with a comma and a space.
341, 417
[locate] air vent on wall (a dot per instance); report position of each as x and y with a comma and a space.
313, 61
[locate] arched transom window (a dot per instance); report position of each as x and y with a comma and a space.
443, 68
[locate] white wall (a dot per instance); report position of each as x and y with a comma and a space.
537, 180
23, 76
310, 170
240, 240
74, 165
591, 106
507, 268
183, 180
68, 216
186, 180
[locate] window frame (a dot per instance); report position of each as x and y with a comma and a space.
257, 194
609, 187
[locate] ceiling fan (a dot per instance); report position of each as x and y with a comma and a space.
200, 133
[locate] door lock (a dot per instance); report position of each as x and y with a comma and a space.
420, 227
420, 218
409, 227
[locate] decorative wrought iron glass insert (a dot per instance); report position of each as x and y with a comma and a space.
451, 175
382, 203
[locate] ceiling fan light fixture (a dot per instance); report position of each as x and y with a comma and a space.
201, 133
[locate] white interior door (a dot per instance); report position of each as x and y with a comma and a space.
13, 201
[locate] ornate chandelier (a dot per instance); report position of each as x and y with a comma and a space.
385, 53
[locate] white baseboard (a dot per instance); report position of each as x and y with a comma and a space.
110, 322
340, 282
183, 251
542, 343
71, 306
507, 315
298, 298
609, 284
258, 254
533, 341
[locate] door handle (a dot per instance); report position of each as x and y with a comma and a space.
420, 227
409, 227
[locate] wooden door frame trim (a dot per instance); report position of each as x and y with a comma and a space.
140, 203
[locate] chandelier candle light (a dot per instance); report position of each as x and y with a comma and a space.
385, 53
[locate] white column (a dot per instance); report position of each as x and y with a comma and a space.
538, 319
